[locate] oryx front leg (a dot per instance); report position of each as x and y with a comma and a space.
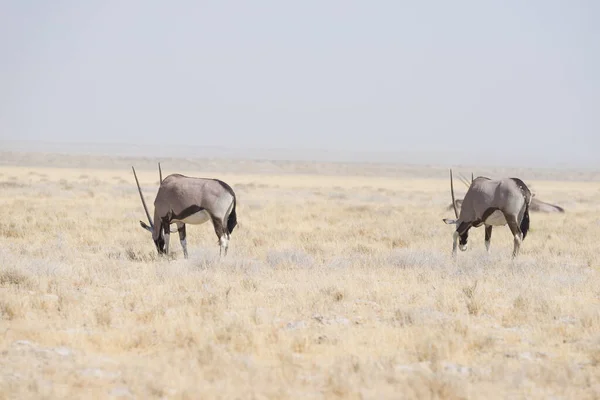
167, 235
488, 237
182, 235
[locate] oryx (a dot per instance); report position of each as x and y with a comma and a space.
536, 204
492, 203
184, 200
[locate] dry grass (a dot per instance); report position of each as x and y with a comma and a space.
334, 287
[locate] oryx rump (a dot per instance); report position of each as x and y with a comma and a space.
185, 200
492, 203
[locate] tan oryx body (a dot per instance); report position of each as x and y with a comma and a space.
185, 200
492, 203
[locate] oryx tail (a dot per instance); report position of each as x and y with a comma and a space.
232, 219
524, 214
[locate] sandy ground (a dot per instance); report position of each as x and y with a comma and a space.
337, 284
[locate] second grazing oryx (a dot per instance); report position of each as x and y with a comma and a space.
492, 203
536, 204
184, 200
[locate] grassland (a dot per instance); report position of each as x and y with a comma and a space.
336, 285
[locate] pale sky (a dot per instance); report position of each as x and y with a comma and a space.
510, 82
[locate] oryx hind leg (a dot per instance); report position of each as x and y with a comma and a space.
182, 236
517, 234
222, 234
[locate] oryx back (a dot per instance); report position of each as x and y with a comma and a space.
488, 201
193, 200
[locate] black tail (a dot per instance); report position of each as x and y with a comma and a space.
232, 220
525, 221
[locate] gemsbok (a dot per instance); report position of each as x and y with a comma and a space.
185, 200
491, 203
536, 204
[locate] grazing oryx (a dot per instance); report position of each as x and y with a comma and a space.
536, 204
183, 200
492, 203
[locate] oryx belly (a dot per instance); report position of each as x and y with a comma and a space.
197, 218
496, 219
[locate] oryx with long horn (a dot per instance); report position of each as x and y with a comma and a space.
185, 200
492, 203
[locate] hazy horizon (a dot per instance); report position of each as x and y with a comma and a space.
495, 83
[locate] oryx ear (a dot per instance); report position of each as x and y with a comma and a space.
450, 221
149, 229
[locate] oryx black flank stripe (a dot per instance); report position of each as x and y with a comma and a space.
193, 209
486, 215
488, 212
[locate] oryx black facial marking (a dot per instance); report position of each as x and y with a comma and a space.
185, 200
463, 229
160, 245
160, 239
463, 232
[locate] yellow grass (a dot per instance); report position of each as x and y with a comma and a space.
333, 287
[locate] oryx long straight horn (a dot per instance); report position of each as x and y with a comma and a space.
452, 192
143, 202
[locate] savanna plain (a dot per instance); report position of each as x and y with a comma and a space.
338, 283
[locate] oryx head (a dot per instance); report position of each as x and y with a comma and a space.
462, 237
157, 234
